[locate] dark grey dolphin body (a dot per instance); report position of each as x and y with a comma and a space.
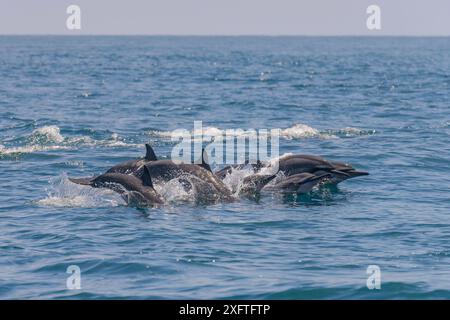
132, 166
299, 183
166, 170
135, 191
133, 178
196, 176
302, 173
204, 191
294, 164
300, 163
343, 171
253, 184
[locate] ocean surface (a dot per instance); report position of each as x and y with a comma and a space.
74, 106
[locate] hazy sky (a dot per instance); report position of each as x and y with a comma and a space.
228, 17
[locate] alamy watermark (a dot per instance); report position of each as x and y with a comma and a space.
373, 21
73, 22
73, 282
230, 146
374, 279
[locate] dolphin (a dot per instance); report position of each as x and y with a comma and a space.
134, 190
204, 192
132, 166
222, 173
166, 170
343, 171
299, 183
300, 163
294, 164
253, 184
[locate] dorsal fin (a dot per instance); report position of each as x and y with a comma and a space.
258, 165
204, 163
150, 154
146, 178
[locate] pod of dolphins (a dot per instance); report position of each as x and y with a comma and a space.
135, 179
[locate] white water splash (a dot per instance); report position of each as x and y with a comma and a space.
174, 191
192, 189
63, 193
349, 132
29, 149
296, 131
49, 138
234, 180
271, 166
42, 139
299, 131
49, 133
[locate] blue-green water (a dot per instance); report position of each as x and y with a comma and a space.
77, 105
